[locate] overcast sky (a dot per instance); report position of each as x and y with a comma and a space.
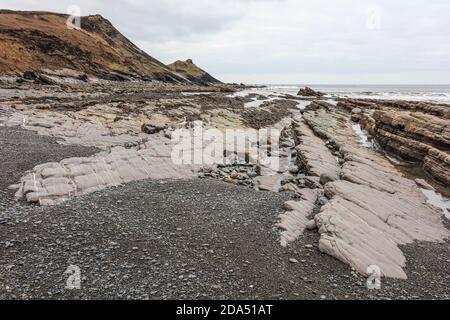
285, 41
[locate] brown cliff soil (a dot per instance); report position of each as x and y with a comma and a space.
41, 41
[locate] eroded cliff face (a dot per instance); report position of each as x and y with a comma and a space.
42, 42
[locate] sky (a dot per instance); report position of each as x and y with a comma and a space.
285, 41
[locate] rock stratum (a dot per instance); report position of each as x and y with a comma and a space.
414, 131
41, 42
364, 208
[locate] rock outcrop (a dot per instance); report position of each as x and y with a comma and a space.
308, 92
299, 213
418, 132
371, 209
191, 72
53, 183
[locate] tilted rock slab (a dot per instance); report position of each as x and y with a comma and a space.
96, 126
313, 155
293, 222
363, 227
55, 182
372, 209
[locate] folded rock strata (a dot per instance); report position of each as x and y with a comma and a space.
415, 136
372, 208
414, 131
52, 183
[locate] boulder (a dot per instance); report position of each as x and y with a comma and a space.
30, 75
356, 115
372, 209
308, 92
151, 129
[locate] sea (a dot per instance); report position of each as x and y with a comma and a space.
431, 93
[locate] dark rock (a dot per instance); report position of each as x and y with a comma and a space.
355, 117
30, 75
308, 92
416, 137
151, 129
325, 178
45, 80
312, 182
83, 77
118, 77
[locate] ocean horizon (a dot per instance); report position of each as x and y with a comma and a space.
432, 93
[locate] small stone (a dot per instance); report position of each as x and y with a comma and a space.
8, 244
423, 184
287, 180
230, 180
292, 260
311, 225
150, 129
252, 174
293, 169
322, 201
325, 178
